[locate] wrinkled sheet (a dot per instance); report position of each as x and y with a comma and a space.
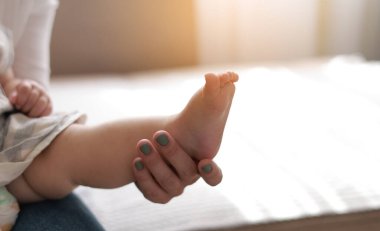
302, 140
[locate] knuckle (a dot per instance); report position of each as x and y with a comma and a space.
191, 180
36, 110
39, 105
156, 198
164, 200
170, 151
168, 182
44, 100
151, 195
33, 95
189, 176
172, 185
23, 85
178, 191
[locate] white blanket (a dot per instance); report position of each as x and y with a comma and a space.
301, 140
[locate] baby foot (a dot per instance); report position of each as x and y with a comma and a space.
199, 127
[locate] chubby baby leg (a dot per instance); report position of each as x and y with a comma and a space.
102, 156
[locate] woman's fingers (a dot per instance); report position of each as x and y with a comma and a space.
163, 169
147, 185
162, 173
176, 157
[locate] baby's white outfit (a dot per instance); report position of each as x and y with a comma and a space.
29, 23
22, 139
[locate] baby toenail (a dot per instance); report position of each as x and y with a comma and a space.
146, 149
207, 168
162, 139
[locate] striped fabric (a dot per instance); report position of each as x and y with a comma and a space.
21, 140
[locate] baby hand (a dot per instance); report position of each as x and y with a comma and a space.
31, 99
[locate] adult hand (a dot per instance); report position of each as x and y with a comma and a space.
163, 169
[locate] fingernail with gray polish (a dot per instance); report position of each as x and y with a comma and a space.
207, 168
139, 165
146, 149
162, 139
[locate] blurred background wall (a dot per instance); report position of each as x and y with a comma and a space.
125, 36
266, 30
122, 36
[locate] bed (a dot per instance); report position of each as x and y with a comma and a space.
301, 148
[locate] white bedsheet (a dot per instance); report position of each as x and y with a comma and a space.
302, 140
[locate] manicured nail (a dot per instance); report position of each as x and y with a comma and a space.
145, 148
162, 139
207, 168
139, 165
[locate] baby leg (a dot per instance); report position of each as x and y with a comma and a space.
101, 156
